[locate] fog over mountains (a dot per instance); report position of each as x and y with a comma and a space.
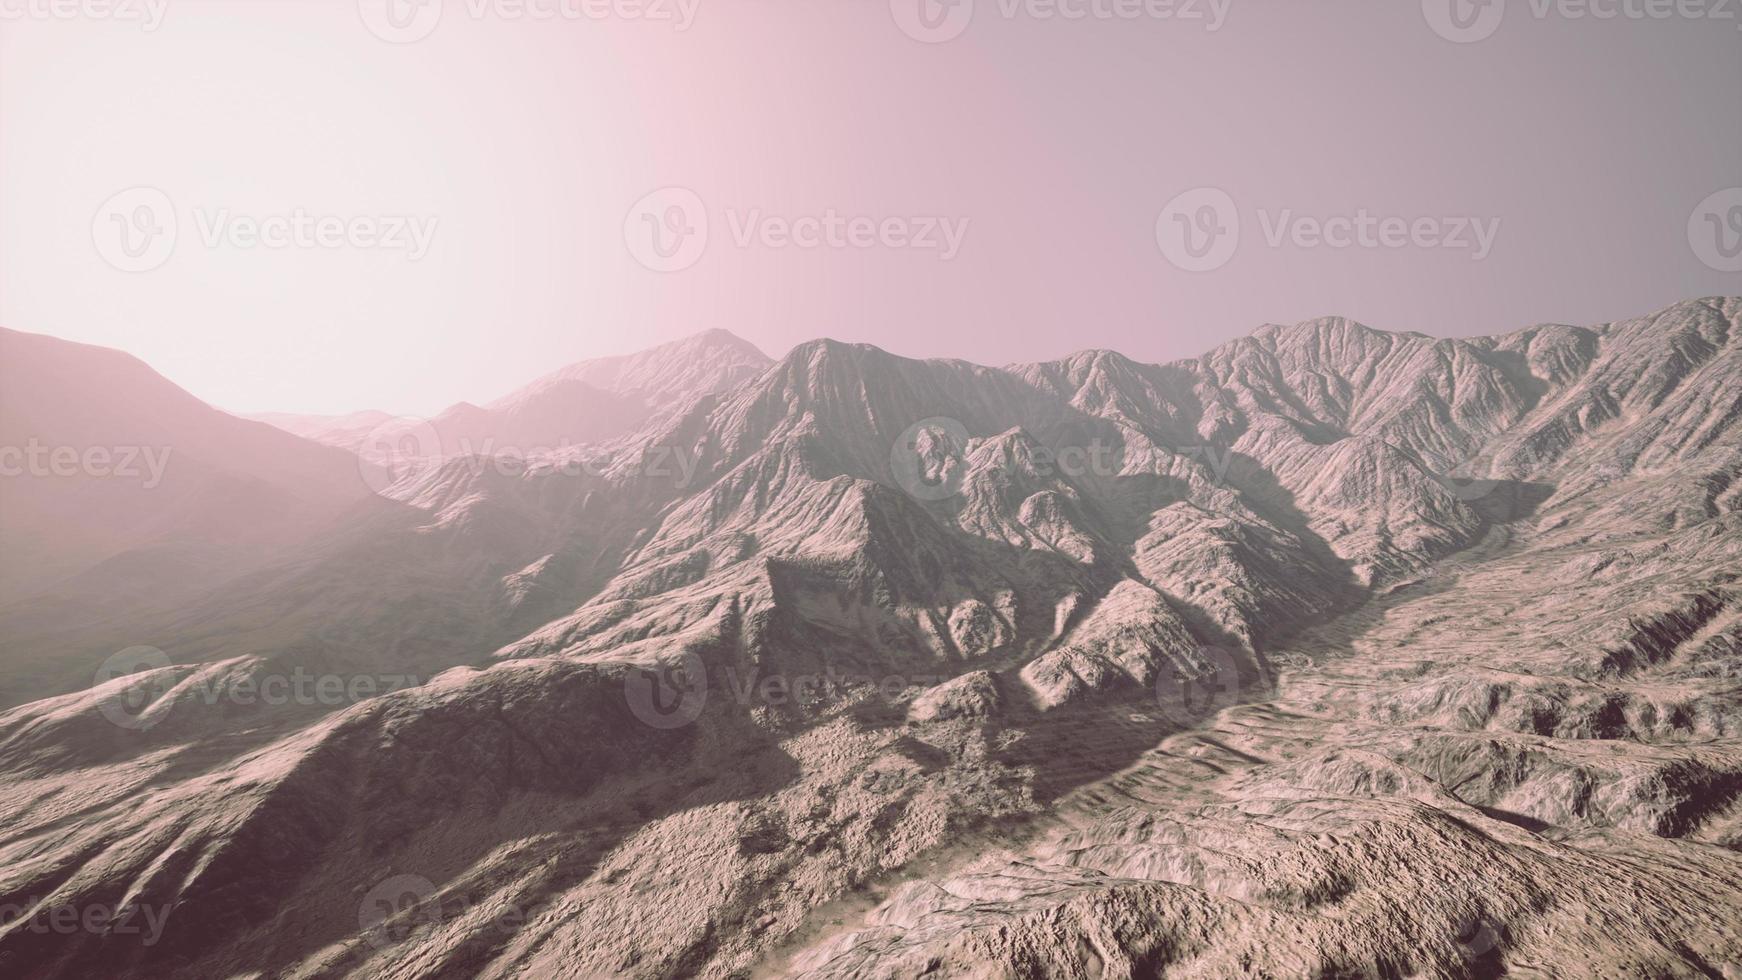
585, 402
1333, 652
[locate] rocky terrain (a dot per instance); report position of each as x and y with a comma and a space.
1332, 653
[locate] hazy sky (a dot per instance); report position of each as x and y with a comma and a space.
455, 215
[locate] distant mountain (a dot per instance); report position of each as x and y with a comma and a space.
663, 377
584, 403
113, 457
1332, 652
343, 431
119, 488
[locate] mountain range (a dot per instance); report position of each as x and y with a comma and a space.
583, 403
1332, 652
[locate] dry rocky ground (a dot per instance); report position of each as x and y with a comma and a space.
1332, 653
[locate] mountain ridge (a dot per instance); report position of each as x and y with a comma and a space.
1044, 669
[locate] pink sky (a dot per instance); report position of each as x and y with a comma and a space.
1050, 146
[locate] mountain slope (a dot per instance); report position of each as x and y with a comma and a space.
586, 402
343, 431
122, 490
662, 377
1333, 652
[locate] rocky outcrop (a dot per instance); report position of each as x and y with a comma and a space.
1334, 652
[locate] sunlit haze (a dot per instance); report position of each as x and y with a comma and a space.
1024, 165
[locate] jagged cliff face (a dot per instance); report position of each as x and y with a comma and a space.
1334, 652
